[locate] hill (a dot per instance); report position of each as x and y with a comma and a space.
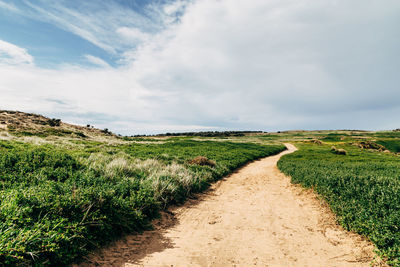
29, 124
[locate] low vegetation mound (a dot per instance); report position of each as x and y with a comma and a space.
202, 161
338, 151
316, 141
370, 145
363, 190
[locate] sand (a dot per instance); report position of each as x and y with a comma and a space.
254, 217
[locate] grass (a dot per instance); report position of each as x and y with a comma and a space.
362, 188
390, 144
64, 192
56, 204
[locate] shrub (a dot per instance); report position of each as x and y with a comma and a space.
339, 151
106, 131
54, 122
316, 141
370, 145
202, 161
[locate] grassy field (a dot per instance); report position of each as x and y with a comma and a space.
67, 189
58, 203
362, 188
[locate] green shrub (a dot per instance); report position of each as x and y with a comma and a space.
338, 151
202, 161
54, 122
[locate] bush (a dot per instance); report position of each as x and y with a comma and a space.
202, 161
106, 131
54, 122
370, 145
339, 151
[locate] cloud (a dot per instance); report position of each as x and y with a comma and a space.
14, 55
268, 65
8, 6
103, 23
132, 34
276, 63
97, 61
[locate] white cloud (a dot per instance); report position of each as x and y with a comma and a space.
14, 55
97, 61
269, 65
8, 6
133, 34
103, 26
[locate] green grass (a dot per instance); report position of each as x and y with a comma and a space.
391, 144
57, 204
333, 137
59, 201
47, 132
362, 188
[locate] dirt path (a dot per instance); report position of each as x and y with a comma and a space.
254, 217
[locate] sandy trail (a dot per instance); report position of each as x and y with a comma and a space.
254, 217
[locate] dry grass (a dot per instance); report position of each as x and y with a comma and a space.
202, 161
166, 180
370, 145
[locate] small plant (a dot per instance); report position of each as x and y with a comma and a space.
80, 134
202, 161
370, 145
316, 141
338, 151
54, 122
106, 131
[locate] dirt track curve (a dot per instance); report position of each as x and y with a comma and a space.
254, 217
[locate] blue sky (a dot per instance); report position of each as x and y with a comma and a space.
183, 65
60, 32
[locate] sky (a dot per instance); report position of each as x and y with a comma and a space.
156, 66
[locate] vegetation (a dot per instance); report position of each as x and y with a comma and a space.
56, 204
54, 122
208, 133
202, 161
339, 151
362, 188
390, 144
66, 189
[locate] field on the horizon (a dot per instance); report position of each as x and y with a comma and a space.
66, 190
